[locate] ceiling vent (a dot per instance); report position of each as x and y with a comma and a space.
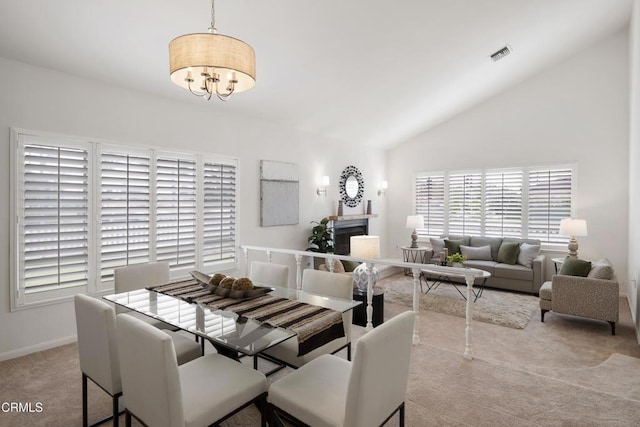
501, 53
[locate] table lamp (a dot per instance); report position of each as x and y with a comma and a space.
573, 228
414, 221
366, 247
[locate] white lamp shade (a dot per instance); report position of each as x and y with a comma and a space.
415, 221
573, 227
366, 247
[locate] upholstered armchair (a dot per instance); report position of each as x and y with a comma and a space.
592, 297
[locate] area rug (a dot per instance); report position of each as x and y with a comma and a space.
504, 308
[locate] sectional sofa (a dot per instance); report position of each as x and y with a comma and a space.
526, 274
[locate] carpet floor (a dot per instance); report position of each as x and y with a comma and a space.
511, 309
567, 371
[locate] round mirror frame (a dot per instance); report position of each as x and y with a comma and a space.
350, 171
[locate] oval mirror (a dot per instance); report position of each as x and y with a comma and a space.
351, 186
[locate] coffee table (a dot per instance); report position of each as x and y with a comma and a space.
444, 276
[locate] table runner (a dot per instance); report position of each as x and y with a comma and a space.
314, 326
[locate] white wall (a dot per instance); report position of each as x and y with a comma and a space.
574, 112
634, 167
37, 99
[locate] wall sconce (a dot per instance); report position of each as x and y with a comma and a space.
383, 188
322, 190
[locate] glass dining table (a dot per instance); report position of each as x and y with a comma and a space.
230, 333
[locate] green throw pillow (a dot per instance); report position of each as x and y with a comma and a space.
453, 246
575, 267
349, 266
508, 252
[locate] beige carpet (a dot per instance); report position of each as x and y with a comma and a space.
567, 371
503, 308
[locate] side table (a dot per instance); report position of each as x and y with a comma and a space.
557, 262
415, 255
360, 312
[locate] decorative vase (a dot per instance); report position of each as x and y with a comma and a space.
368, 207
340, 208
361, 277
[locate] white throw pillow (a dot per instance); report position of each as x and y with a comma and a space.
482, 253
437, 245
527, 254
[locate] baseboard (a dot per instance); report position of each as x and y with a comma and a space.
38, 347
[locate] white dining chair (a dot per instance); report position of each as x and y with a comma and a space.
323, 283
138, 276
266, 273
98, 351
160, 393
330, 391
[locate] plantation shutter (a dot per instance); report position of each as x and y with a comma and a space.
176, 212
53, 217
219, 216
125, 211
430, 204
465, 203
503, 204
549, 202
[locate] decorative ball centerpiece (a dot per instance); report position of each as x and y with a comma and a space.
227, 282
216, 279
242, 284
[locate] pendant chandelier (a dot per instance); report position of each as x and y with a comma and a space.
211, 63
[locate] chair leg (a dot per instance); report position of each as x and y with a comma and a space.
127, 418
401, 421
542, 312
349, 352
613, 328
85, 409
116, 414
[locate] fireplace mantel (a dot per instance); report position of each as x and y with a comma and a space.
348, 217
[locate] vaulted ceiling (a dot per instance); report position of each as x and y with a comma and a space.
362, 71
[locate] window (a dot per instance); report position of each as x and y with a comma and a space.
125, 210
549, 202
465, 203
522, 202
148, 205
430, 203
503, 204
176, 212
219, 212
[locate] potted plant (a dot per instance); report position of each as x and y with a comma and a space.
456, 259
321, 240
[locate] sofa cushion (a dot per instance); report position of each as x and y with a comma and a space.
480, 252
338, 267
437, 245
545, 291
453, 246
482, 265
602, 270
467, 239
575, 267
527, 254
513, 271
493, 242
349, 266
508, 252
